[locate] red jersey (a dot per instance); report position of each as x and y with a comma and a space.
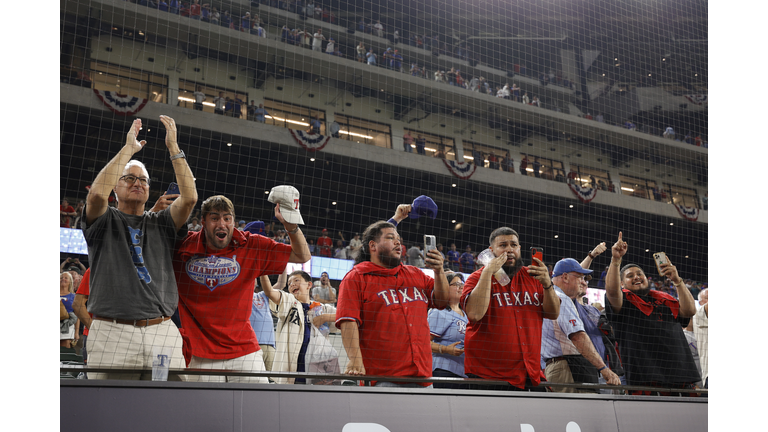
65, 220
216, 291
506, 343
390, 307
85, 289
325, 244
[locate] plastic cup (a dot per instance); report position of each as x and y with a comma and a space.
485, 257
161, 360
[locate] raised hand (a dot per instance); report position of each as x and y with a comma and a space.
130, 139
619, 248
170, 132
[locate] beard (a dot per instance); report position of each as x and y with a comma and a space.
511, 270
388, 261
643, 291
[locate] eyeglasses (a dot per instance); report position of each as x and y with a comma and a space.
580, 276
131, 179
457, 284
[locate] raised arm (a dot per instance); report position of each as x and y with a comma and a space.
613, 277
401, 213
106, 180
274, 292
441, 294
687, 303
299, 248
592, 255
551, 302
479, 299
182, 207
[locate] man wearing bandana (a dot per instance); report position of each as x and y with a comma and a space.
648, 327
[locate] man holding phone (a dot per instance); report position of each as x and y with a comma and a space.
503, 338
649, 324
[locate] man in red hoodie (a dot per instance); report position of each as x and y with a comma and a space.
382, 308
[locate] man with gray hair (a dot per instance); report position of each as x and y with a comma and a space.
133, 290
701, 331
649, 324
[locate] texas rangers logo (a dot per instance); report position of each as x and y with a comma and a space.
213, 271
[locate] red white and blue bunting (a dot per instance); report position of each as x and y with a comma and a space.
698, 99
462, 170
690, 213
121, 104
585, 194
311, 142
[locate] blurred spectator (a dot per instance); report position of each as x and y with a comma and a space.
70, 324
648, 325
536, 167
78, 214
690, 337
66, 213
195, 10
317, 40
379, 29
325, 293
370, 57
260, 113
669, 133
453, 258
524, 166
407, 142
72, 265
701, 332
199, 98
416, 256
421, 144
526, 99
396, 61
493, 163
219, 103
467, 260
330, 48
360, 52
194, 225
354, 247
440, 153
340, 251
80, 309
447, 327
325, 244
315, 125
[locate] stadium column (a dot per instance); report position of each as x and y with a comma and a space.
459, 149
173, 88
397, 136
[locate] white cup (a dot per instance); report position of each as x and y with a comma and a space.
485, 257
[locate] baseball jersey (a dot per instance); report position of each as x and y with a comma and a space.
390, 308
555, 335
261, 320
216, 291
506, 343
85, 289
325, 244
448, 327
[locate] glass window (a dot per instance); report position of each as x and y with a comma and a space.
494, 162
590, 177
292, 116
549, 169
127, 81
434, 143
680, 195
637, 187
368, 132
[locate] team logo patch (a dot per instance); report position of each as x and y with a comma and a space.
213, 271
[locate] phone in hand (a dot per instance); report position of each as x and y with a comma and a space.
537, 252
660, 258
429, 243
173, 189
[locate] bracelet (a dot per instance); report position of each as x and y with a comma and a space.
604, 367
440, 348
590, 255
294, 231
549, 287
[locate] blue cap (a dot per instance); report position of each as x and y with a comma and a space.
423, 206
567, 265
255, 227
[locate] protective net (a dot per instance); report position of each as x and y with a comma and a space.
568, 122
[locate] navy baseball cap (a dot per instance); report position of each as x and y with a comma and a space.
255, 227
567, 265
423, 206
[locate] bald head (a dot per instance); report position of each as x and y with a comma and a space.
703, 297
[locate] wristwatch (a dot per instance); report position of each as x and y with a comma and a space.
180, 154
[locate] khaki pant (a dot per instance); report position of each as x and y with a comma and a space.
253, 362
269, 355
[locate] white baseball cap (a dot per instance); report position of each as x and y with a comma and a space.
288, 199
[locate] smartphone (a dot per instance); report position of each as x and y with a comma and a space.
660, 258
537, 252
173, 188
429, 243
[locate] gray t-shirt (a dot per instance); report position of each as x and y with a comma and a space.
132, 264
414, 257
321, 293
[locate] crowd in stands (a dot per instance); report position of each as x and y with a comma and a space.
504, 307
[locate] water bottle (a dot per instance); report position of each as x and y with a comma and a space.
485, 257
